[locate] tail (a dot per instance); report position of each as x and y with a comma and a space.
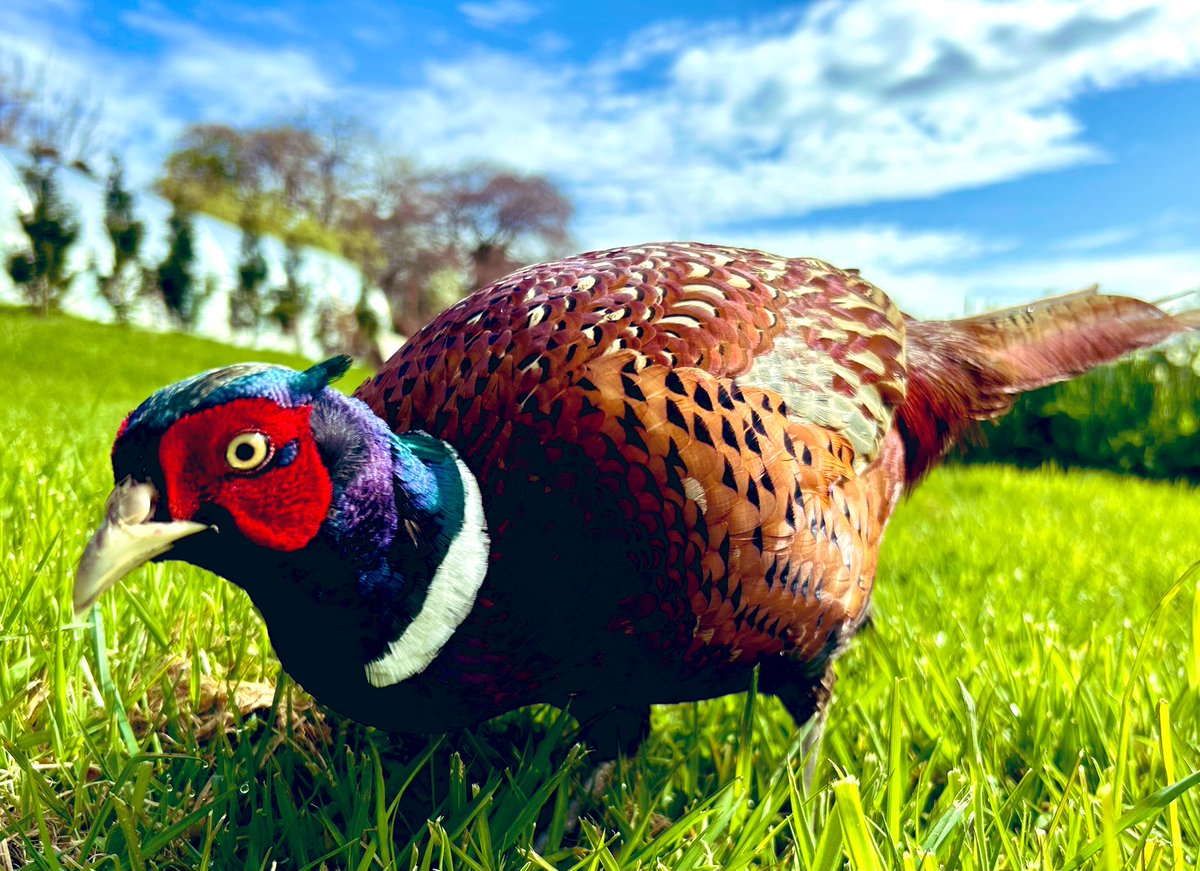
967, 370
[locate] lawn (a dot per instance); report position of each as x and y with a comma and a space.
1026, 697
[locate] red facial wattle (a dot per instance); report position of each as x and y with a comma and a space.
280, 505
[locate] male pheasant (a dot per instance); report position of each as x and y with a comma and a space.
624, 478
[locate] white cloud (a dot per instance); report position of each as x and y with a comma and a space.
850, 103
231, 81
1144, 275
948, 292
498, 13
869, 247
274, 19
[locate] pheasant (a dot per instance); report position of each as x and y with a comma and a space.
625, 478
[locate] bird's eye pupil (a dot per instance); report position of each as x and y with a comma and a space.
248, 451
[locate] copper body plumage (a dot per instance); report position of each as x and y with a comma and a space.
738, 426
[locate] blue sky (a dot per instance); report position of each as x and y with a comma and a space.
960, 152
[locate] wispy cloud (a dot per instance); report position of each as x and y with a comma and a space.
498, 13
949, 290
236, 80
275, 19
850, 103
1096, 239
872, 246
548, 42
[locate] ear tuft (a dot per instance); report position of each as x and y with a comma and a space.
317, 377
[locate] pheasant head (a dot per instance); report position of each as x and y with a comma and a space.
303, 497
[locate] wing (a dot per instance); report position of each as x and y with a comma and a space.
828, 342
744, 392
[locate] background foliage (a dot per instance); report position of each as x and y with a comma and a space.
1139, 416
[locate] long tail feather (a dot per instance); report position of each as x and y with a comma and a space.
971, 369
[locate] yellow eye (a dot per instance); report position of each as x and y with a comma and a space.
247, 451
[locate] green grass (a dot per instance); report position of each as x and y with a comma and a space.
1005, 710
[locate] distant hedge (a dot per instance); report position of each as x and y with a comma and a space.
1140, 417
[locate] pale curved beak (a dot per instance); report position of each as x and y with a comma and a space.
126, 539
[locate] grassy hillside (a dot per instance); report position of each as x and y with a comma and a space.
1006, 709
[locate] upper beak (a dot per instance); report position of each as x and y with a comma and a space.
126, 539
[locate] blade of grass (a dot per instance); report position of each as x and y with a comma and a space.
1168, 752
14, 606
107, 688
1145, 809
897, 773
860, 846
1157, 619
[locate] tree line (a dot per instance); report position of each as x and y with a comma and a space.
425, 236
44, 274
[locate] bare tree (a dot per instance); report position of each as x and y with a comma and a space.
65, 128
495, 212
284, 160
15, 101
404, 238
50, 120
341, 173
302, 174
